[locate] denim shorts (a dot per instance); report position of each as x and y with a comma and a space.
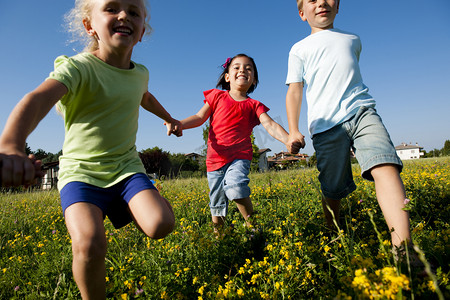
366, 135
113, 201
228, 183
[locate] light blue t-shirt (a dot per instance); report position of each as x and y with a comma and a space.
328, 63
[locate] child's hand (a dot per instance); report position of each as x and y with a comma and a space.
17, 169
295, 142
175, 127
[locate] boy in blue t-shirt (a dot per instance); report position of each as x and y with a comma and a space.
341, 117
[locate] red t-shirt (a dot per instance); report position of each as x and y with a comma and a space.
230, 126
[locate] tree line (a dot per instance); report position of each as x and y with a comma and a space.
171, 165
445, 151
156, 161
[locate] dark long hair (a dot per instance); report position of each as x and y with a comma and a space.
221, 83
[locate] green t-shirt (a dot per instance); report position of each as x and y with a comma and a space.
100, 110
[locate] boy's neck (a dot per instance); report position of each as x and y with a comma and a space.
316, 30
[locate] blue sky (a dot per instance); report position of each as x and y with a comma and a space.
405, 62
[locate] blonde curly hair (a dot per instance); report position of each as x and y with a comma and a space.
82, 11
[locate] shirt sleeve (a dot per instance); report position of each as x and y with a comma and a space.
211, 97
295, 68
66, 72
260, 109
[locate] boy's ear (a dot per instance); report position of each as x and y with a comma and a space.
302, 15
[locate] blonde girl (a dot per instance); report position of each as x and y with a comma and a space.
98, 92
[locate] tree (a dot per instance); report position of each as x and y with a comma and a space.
164, 163
51, 157
255, 158
181, 164
40, 154
446, 150
28, 149
155, 160
205, 135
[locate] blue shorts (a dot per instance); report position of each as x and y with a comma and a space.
366, 135
228, 183
113, 201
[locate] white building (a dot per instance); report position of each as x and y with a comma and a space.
405, 151
263, 166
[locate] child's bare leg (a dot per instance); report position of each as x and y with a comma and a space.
218, 221
333, 205
245, 207
84, 222
391, 196
152, 213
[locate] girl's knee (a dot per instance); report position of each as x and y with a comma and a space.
158, 228
89, 249
153, 214
159, 225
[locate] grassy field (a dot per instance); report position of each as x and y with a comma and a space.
288, 255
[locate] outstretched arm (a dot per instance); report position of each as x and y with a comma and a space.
152, 105
273, 128
198, 119
276, 130
293, 106
15, 167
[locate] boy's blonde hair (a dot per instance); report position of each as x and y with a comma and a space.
82, 11
300, 4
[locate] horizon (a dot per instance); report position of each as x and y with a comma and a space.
404, 62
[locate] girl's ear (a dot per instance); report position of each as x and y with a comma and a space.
143, 32
88, 27
227, 77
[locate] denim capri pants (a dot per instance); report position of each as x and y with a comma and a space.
230, 182
366, 135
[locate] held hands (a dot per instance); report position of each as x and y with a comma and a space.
295, 142
174, 127
17, 169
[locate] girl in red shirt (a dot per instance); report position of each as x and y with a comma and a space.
233, 115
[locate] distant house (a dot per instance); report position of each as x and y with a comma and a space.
50, 179
284, 159
408, 151
194, 156
263, 164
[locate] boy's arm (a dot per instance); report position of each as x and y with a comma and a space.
198, 119
294, 97
152, 105
15, 167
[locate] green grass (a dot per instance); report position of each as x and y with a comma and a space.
289, 255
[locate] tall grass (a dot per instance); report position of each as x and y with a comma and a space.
289, 254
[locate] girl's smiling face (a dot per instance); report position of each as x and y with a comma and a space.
241, 74
116, 24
